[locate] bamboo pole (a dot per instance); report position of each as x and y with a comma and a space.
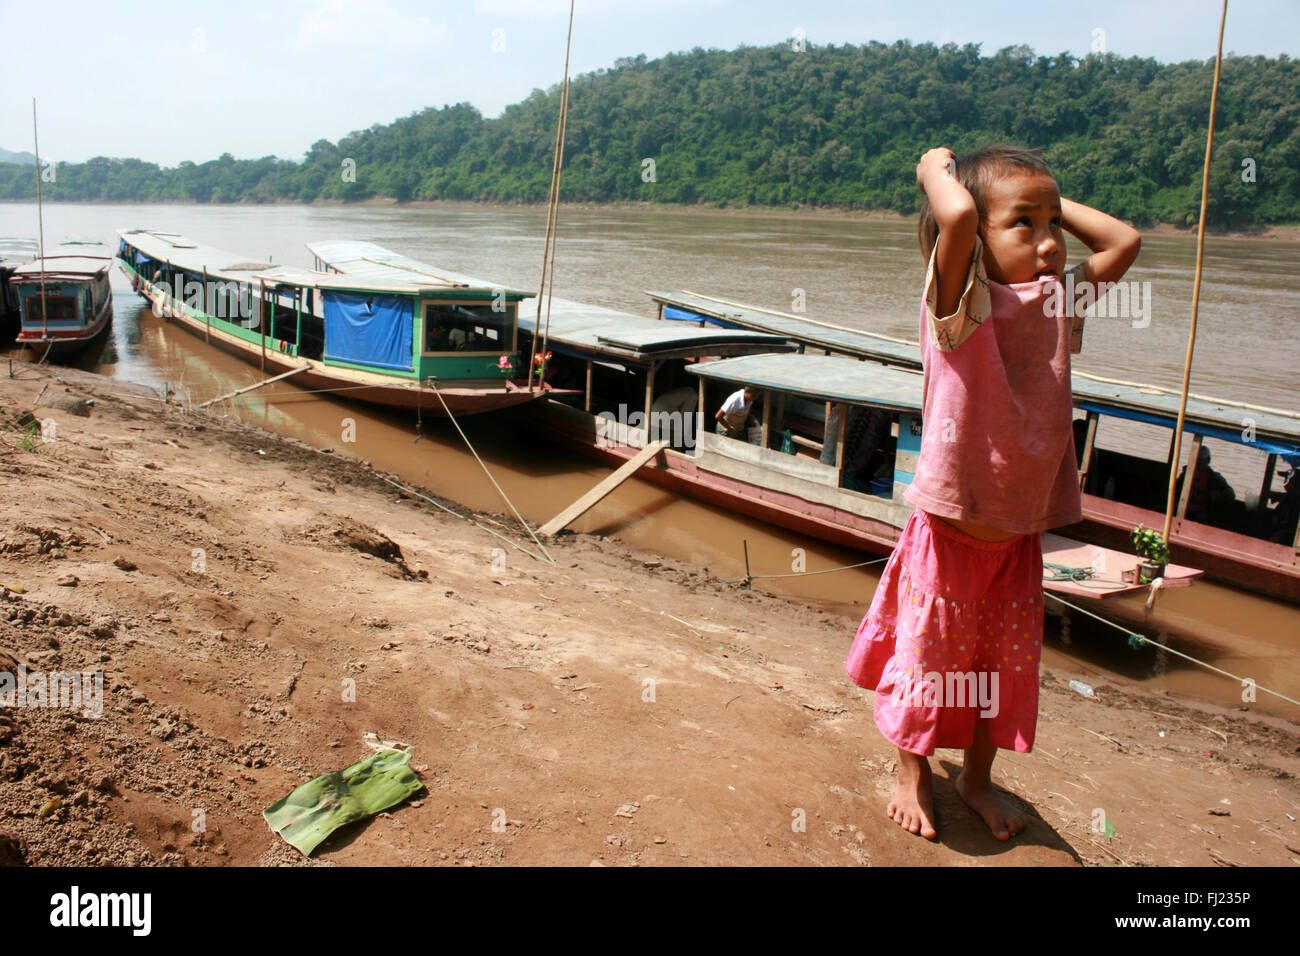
40, 222
552, 210
1196, 284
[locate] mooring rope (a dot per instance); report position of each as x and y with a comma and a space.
419, 494
1137, 640
1080, 576
1066, 572
801, 574
500, 490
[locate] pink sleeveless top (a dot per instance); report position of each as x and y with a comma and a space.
997, 444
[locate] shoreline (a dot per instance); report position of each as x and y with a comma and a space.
222, 677
1285, 232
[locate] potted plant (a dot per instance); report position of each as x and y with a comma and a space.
539, 366
1151, 546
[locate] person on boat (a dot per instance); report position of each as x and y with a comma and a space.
951, 643
734, 413
1286, 516
864, 441
1211, 494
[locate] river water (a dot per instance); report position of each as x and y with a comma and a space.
855, 272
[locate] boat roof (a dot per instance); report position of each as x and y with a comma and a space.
594, 331
371, 263
1206, 415
1209, 416
70, 260
823, 335
836, 378
576, 328
220, 263
217, 263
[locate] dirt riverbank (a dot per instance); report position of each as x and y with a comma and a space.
615, 707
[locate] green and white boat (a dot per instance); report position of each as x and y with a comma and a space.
371, 325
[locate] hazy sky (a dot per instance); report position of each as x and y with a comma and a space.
168, 81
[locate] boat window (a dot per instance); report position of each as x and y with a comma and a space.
464, 327
284, 318
230, 302
1230, 488
51, 307
673, 413
870, 447
312, 343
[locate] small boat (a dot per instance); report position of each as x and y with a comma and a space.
64, 299
360, 326
13, 253
1250, 541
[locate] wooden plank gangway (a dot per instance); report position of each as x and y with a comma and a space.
592, 497
267, 381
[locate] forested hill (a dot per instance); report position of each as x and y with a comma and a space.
828, 126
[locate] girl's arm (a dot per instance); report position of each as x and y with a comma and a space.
958, 221
1114, 245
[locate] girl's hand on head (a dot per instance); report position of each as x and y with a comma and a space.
937, 162
956, 218
1114, 244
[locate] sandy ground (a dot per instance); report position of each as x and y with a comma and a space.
615, 707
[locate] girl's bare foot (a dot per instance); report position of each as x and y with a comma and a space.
1003, 819
912, 806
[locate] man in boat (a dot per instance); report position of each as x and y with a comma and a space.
1286, 516
734, 413
1211, 494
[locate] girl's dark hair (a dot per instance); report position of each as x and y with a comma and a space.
976, 172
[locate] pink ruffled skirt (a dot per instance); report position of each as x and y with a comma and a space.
953, 636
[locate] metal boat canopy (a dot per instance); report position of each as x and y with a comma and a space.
595, 332
693, 307
831, 378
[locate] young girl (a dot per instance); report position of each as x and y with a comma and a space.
951, 643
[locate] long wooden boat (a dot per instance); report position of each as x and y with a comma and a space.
791, 473
64, 299
1250, 541
382, 333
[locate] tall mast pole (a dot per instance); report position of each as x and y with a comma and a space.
40, 222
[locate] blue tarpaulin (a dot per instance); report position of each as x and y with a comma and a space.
683, 315
369, 329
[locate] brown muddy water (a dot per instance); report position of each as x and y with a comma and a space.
854, 272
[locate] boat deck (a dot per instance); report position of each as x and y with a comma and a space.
593, 331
